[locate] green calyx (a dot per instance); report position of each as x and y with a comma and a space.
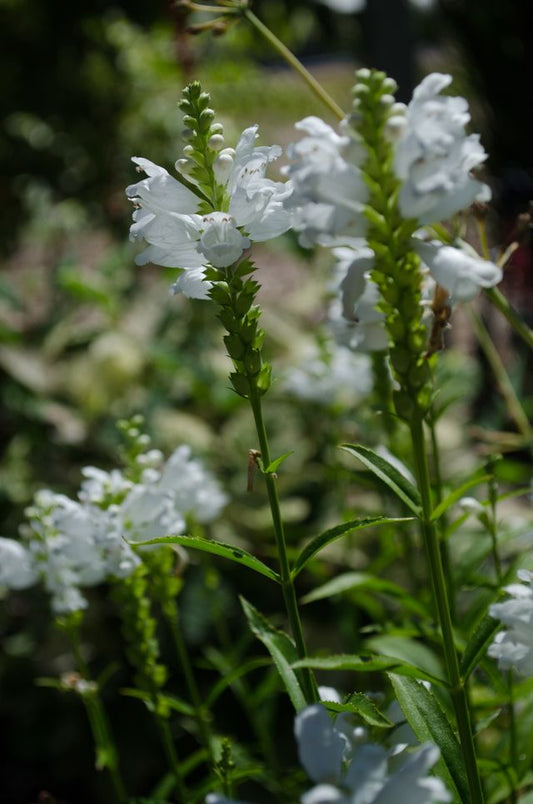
203, 141
396, 268
234, 291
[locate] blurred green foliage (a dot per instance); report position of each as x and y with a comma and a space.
87, 338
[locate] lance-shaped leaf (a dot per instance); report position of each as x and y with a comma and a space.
360, 663
347, 581
478, 643
428, 721
456, 495
389, 475
236, 554
330, 535
361, 705
281, 648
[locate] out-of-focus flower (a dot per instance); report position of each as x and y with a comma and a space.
166, 214
434, 157
72, 544
459, 270
513, 648
348, 771
327, 376
328, 190
17, 569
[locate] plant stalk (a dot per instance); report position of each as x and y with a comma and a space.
289, 594
440, 594
295, 63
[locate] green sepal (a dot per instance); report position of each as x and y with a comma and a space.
252, 361
235, 346
240, 384
264, 378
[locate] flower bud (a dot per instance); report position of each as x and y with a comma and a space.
188, 150
184, 166
215, 142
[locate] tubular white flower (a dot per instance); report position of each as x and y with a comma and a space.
513, 648
17, 569
167, 216
348, 772
461, 272
434, 157
328, 190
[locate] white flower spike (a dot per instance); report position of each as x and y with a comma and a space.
167, 214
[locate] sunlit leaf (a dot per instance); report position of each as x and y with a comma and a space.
362, 663
428, 721
330, 535
236, 554
281, 648
388, 474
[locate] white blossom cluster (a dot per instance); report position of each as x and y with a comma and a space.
346, 769
330, 376
166, 214
513, 647
433, 159
323, 200
70, 544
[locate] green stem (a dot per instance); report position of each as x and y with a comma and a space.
289, 594
499, 301
295, 63
182, 653
514, 407
98, 721
170, 752
442, 523
440, 593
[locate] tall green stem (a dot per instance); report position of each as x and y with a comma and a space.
287, 584
499, 301
506, 387
440, 593
297, 65
106, 751
444, 551
172, 618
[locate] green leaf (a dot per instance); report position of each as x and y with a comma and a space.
229, 678
476, 646
330, 535
171, 701
388, 474
273, 465
362, 663
428, 721
281, 648
407, 650
353, 580
456, 495
236, 554
361, 705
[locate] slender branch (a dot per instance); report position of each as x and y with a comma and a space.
289, 593
295, 63
513, 403
190, 681
499, 301
440, 593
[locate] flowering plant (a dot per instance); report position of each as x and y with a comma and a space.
419, 567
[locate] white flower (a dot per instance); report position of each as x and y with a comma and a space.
348, 772
167, 216
513, 648
328, 190
193, 489
459, 270
434, 157
332, 376
17, 569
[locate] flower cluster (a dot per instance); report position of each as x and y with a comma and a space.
70, 544
513, 648
432, 159
219, 202
348, 770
